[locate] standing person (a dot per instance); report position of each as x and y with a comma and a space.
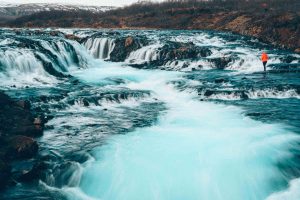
264, 59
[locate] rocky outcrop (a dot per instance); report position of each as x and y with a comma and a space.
125, 45
174, 51
18, 126
21, 147
180, 51
73, 37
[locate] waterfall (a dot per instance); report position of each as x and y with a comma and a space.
100, 47
38, 61
18, 67
144, 54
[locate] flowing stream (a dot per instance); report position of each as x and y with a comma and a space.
185, 129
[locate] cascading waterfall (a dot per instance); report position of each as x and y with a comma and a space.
146, 133
19, 67
41, 63
144, 54
100, 47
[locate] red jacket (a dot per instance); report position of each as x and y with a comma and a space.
264, 57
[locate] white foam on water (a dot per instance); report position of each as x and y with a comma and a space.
100, 47
144, 54
22, 68
292, 193
196, 150
255, 94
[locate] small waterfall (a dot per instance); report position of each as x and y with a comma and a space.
32, 60
100, 47
65, 54
144, 54
18, 67
18, 60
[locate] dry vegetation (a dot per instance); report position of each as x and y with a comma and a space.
275, 21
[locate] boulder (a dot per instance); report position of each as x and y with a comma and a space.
173, 51
129, 41
125, 45
17, 119
21, 147
25, 104
72, 37
28, 170
220, 63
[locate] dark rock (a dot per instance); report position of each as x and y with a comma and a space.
25, 104
5, 100
124, 46
208, 93
55, 33
219, 80
37, 121
180, 51
244, 96
85, 102
221, 63
129, 41
21, 147
5, 173
43, 98
72, 37
32, 172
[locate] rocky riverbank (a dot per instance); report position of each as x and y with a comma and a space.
18, 147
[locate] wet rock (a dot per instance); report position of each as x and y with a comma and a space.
208, 93
5, 100
179, 51
244, 96
5, 173
28, 170
25, 104
85, 102
72, 37
37, 121
16, 118
220, 63
125, 45
21, 147
129, 41
55, 33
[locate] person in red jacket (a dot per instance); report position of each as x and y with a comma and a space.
264, 59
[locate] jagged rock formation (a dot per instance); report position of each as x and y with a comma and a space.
18, 126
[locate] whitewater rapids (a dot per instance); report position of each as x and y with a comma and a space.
196, 150
147, 125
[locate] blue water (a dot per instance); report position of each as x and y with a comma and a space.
184, 130
196, 150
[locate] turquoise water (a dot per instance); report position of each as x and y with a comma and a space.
192, 128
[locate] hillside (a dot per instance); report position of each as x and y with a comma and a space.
272, 21
10, 12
